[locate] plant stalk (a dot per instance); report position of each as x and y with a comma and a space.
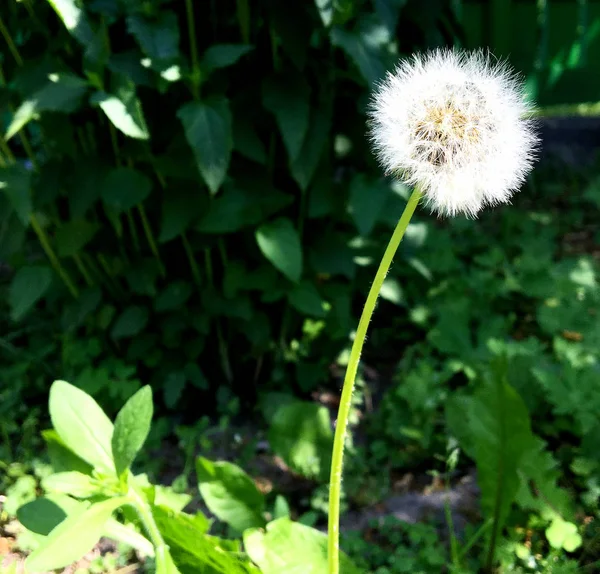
145, 514
335, 483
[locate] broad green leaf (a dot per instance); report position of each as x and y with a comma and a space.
44, 514
132, 426
63, 93
174, 296
41, 515
305, 164
125, 187
28, 286
73, 537
300, 433
61, 457
281, 509
292, 548
73, 483
246, 140
207, 126
280, 244
305, 298
15, 183
124, 111
130, 323
230, 494
236, 208
164, 562
562, 534
158, 38
222, 55
539, 468
392, 292
74, 19
173, 387
82, 425
367, 199
361, 52
127, 535
326, 10
85, 184
73, 236
193, 551
288, 98
500, 431
179, 210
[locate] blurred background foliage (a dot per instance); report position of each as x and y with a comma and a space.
188, 199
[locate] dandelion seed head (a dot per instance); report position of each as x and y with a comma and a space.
457, 125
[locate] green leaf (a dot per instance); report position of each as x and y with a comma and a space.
500, 431
84, 185
326, 10
280, 244
73, 483
305, 164
63, 93
305, 298
246, 141
392, 292
300, 433
193, 550
74, 537
124, 111
15, 182
28, 286
222, 55
73, 236
367, 199
82, 425
41, 515
292, 548
178, 211
230, 494
61, 457
562, 534
361, 52
158, 38
74, 19
125, 188
237, 208
288, 99
281, 508
132, 426
207, 127
130, 323
174, 296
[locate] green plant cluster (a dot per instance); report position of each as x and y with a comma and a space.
92, 482
182, 184
187, 200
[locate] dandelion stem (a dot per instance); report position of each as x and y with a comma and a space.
346, 399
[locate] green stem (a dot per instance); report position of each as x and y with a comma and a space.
150, 238
193, 47
45, 243
225, 363
133, 230
191, 259
335, 486
84, 272
11, 45
145, 514
243, 16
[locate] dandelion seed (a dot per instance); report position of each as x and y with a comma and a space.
456, 125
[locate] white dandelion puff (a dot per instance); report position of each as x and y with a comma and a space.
457, 126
